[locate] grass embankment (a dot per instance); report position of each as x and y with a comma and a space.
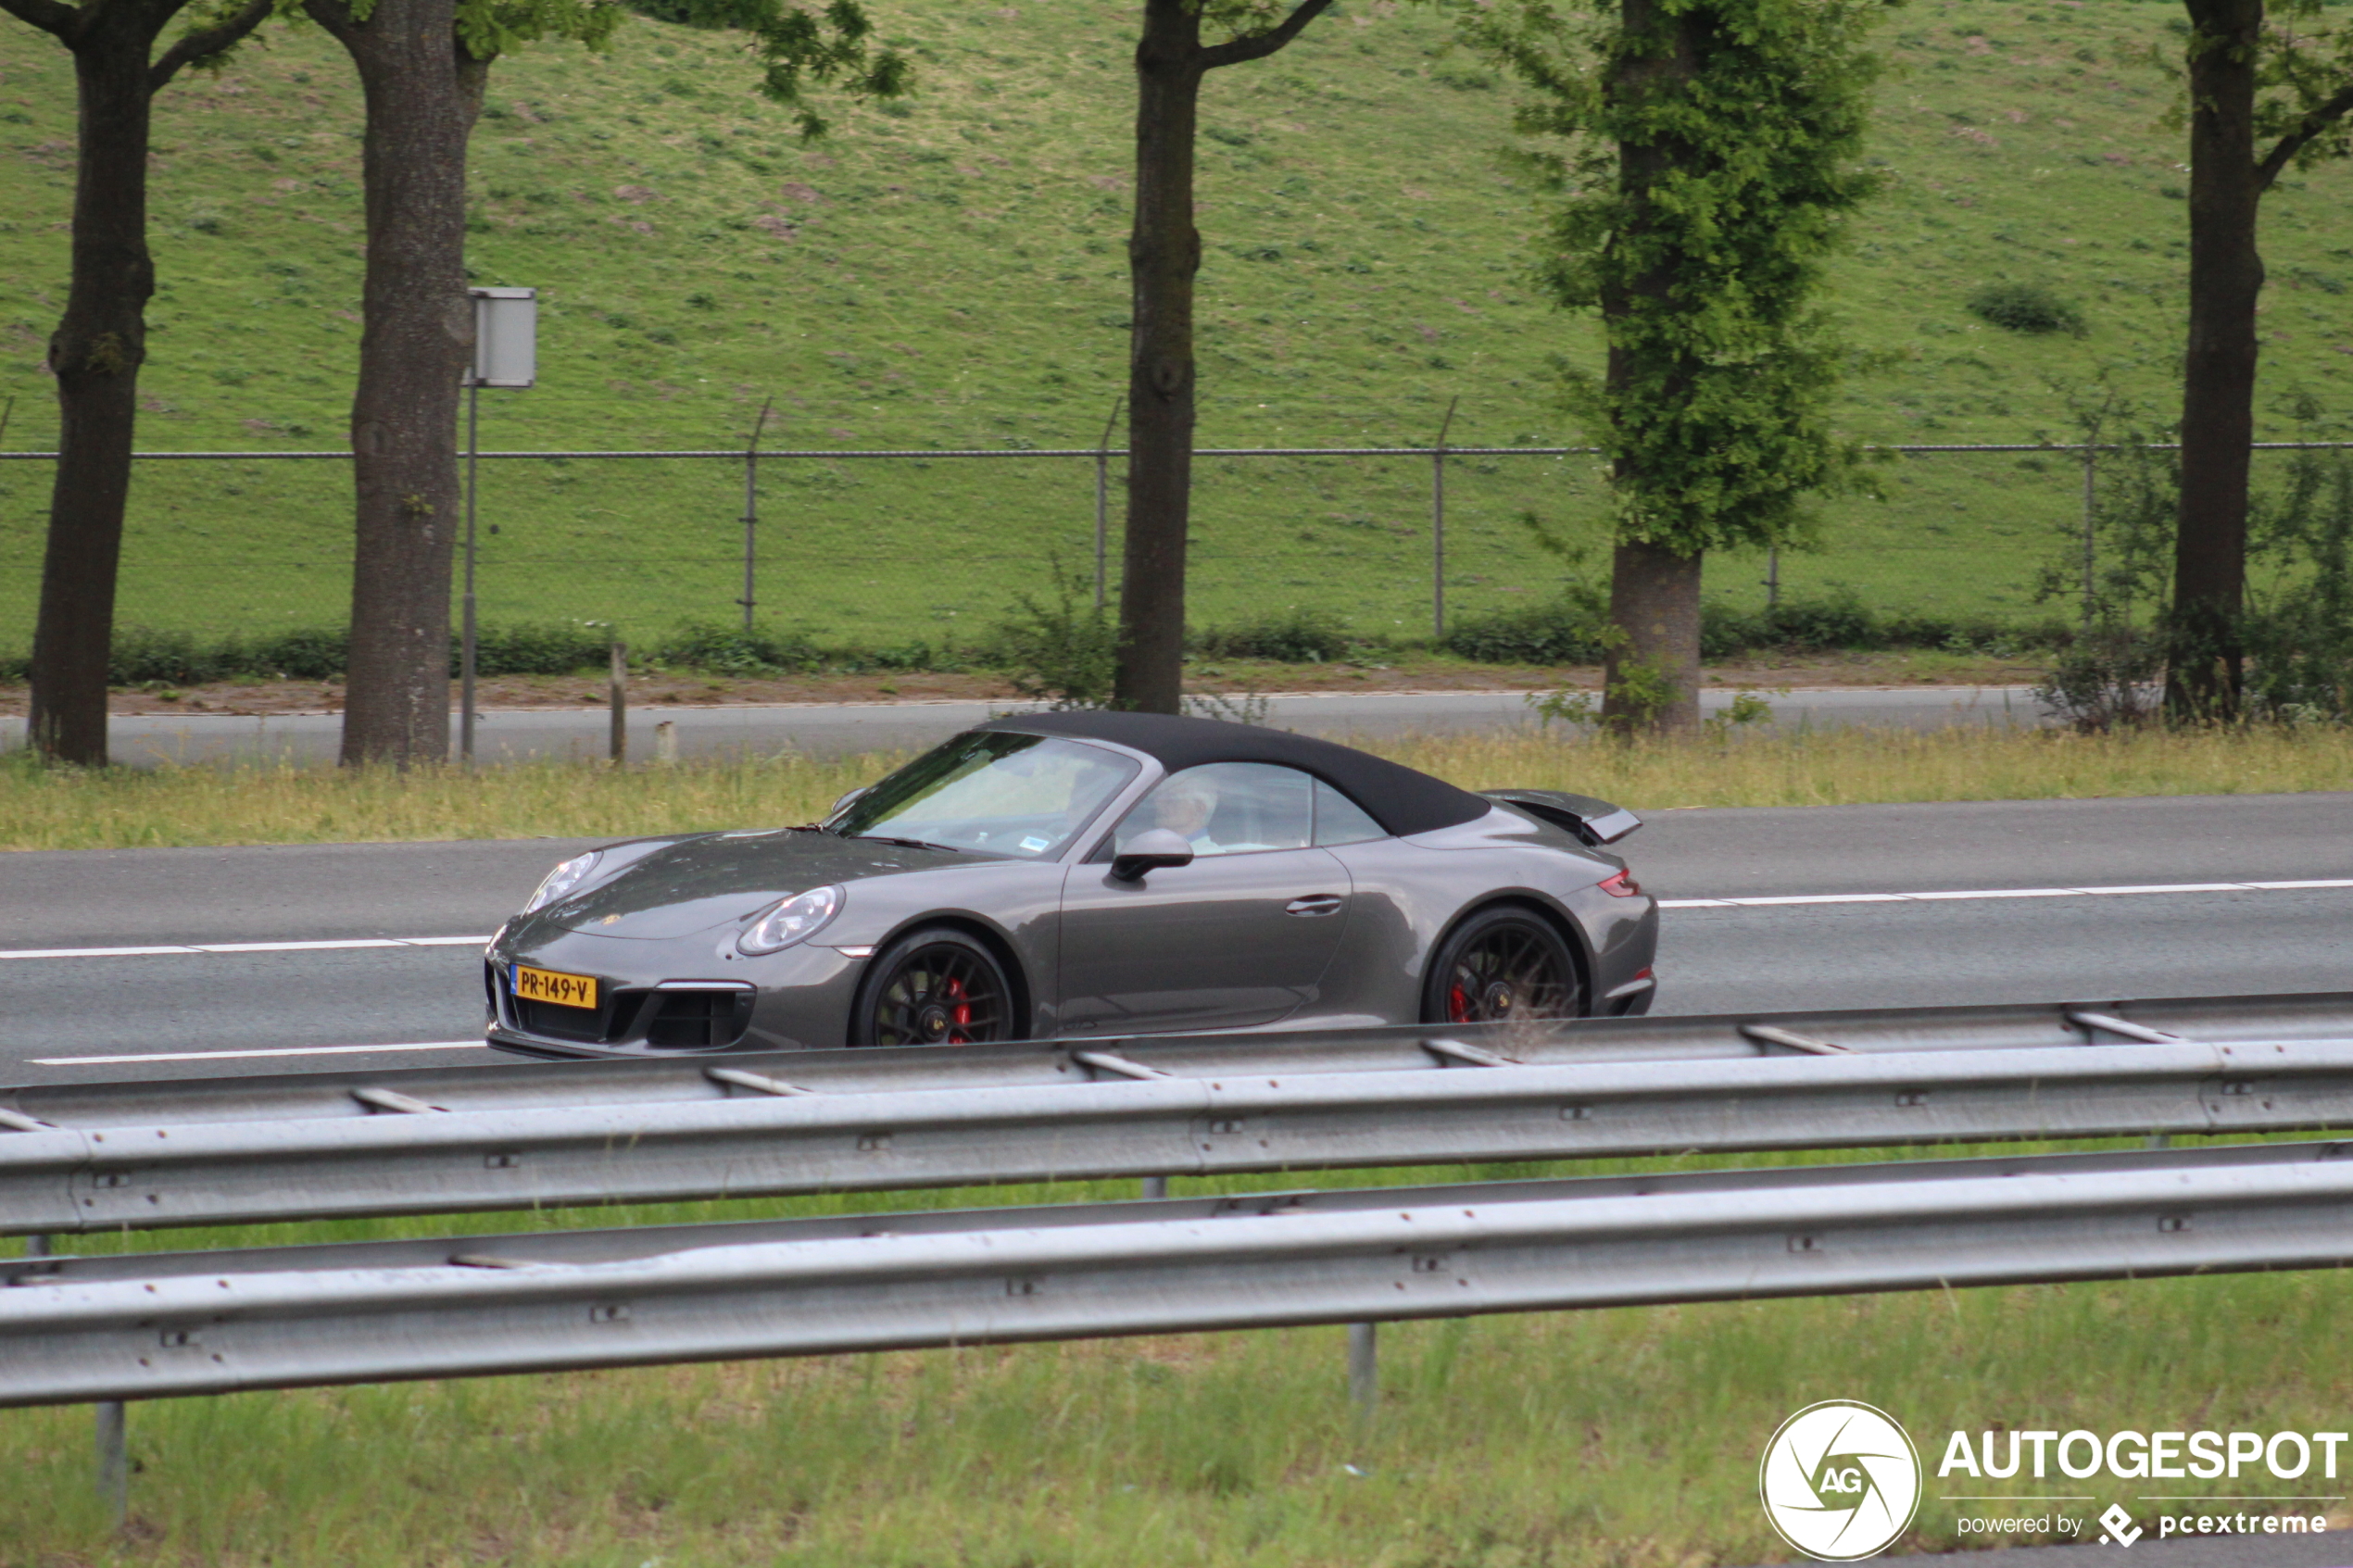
953, 275
128, 808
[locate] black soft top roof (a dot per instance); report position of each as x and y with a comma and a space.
1399, 798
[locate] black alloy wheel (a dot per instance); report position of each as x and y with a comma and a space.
934, 987
1502, 964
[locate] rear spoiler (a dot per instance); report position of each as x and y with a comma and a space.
1596, 821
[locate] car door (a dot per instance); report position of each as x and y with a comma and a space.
1240, 937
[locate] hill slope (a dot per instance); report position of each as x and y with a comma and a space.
953, 275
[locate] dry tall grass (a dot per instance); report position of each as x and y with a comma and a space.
65, 810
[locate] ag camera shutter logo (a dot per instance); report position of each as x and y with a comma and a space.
1840, 1481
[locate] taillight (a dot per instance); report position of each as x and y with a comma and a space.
1622, 886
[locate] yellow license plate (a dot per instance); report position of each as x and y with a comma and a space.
547, 985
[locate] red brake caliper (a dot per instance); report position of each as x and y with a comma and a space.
959, 1017
1457, 1006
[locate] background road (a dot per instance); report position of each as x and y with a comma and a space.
833, 729
183, 1013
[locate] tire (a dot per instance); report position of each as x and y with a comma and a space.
1501, 964
934, 986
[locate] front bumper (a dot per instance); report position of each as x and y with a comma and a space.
663, 998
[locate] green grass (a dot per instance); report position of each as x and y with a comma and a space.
954, 277
1607, 1438
66, 808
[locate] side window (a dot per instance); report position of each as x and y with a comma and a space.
1228, 808
1340, 820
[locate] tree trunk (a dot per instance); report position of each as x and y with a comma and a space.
2218, 396
95, 355
1650, 682
423, 93
1164, 257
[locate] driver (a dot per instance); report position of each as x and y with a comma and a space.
1184, 805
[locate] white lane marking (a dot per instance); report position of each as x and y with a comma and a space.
294, 1050
1781, 901
244, 948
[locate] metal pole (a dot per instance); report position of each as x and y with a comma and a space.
620, 703
114, 1461
466, 635
752, 509
1102, 500
1438, 528
1364, 1367
2091, 469
1155, 1187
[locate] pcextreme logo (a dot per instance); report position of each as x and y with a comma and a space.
1840, 1481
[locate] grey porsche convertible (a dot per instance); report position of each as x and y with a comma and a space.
1059, 875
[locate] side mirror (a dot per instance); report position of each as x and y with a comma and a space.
843, 804
1148, 851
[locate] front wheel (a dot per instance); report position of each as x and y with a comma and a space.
1500, 965
936, 986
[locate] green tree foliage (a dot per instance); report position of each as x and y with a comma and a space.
1699, 155
1705, 258
800, 48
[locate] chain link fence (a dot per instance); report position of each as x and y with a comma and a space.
930, 548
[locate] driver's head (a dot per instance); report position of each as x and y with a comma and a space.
1184, 805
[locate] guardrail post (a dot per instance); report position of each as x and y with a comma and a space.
114, 1461
1364, 1367
112, 1444
1155, 1187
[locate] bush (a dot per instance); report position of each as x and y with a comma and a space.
2025, 307
317, 654
1565, 631
2106, 681
142, 654
1288, 637
1063, 653
731, 650
551, 649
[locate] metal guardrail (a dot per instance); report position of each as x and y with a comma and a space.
203, 1323
108, 1157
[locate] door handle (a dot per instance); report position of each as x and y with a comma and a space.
1313, 904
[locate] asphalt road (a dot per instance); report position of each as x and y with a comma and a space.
79, 1015
833, 729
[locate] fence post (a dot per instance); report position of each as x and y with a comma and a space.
1103, 499
620, 673
2091, 469
1438, 528
466, 637
1772, 576
752, 509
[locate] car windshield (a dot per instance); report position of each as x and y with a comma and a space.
994, 791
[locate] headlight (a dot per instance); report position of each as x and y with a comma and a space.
563, 880
786, 923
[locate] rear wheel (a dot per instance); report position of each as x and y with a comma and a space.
936, 986
1502, 964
